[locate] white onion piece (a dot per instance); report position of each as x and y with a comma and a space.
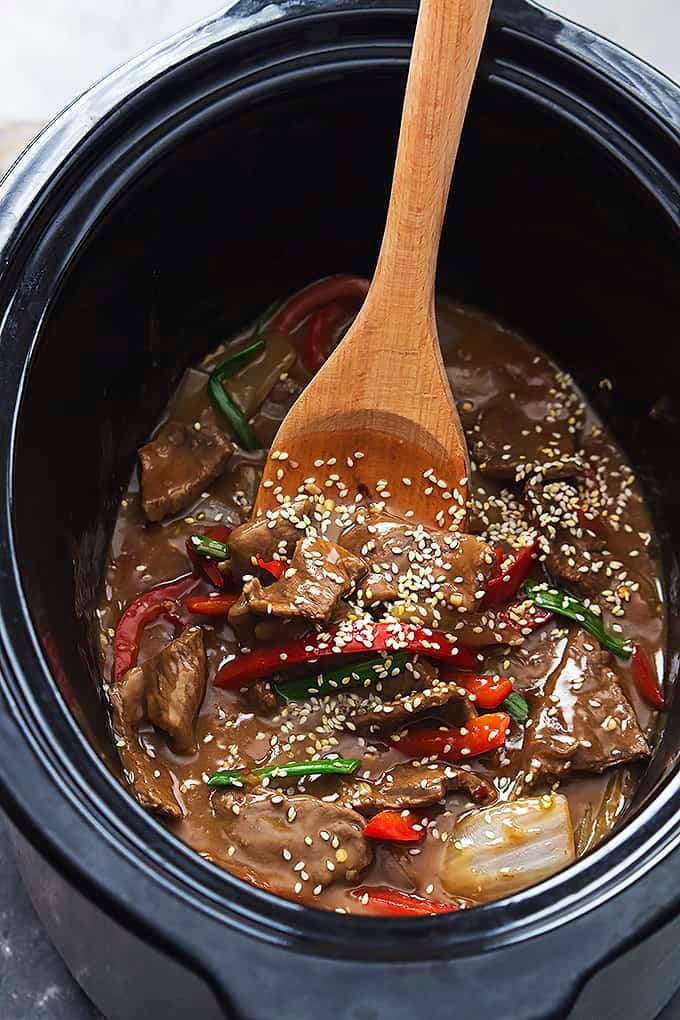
496, 851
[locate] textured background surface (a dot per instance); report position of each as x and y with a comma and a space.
50, 50
34, 984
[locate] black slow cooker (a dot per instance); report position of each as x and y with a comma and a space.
158, 213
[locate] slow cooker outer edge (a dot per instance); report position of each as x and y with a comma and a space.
648, 902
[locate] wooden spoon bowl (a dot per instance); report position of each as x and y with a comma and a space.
378, 421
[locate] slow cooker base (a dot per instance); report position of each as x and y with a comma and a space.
128, 979
161, 212
125, 977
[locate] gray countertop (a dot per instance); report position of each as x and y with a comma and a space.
34, 983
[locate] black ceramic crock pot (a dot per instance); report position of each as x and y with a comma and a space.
164, 209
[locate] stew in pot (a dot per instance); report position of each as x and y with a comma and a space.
351, 709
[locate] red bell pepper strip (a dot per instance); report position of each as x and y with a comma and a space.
489, 690
393, 901
211, 605
395, 826
485, 733
501, 588
203, 567
352, 639
320, 333
146, 607
349, 289
645, 680
275, 567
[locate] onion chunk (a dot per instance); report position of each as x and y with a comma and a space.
496, 851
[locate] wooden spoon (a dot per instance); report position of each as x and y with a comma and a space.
378, 421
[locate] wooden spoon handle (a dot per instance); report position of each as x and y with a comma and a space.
446, 47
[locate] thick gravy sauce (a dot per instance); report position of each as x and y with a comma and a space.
508, 393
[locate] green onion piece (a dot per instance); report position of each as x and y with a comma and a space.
516, 706
231, 365
324, 767
236, 420
566, 605
353, 674
266, 318
206, 546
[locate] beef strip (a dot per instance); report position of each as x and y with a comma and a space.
531, 664
558, 493
406, 706
413, 785
426, 568
270, 630
583, 721
167, 691
180, 462
268, 536
484, 628
268, 831
150, 779
320, 574
417, 675
175, 688
541, 421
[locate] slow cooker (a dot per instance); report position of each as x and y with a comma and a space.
159, 212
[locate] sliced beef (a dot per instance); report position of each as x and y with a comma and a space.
175, 687
505, 438
482, 629
291, 839
558, 494
269, 630
531, 663
413, 785
167, 691
417, 675
501, 625
506, 394
150, 779
426, 568
541, 421
180, 462
273, 535
320, 574
390, 713
583, 721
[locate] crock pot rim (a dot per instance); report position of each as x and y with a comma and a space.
24, 181
20, 182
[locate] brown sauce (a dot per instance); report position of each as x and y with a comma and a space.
490, 369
